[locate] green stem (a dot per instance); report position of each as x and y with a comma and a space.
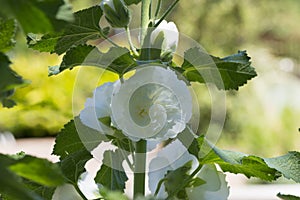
124, 156
166, 13
195, 172
122, 79
108, 39
183, 183
79, 192
133, 49
158, 7
140, 168
159, 186
150, 10
144, 18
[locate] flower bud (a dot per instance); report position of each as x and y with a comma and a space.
170, 34
116, 13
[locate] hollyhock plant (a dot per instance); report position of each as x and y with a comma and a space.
143, 125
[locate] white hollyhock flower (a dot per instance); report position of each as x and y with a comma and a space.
152, 104
170, 33
215, 187
98, 107
171, 157
176, 155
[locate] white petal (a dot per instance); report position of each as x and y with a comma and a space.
88, 186
102, 94
215, 187
162, 165
171, 35
151, 144
98, 107
171, 157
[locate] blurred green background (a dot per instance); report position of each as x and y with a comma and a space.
262, 117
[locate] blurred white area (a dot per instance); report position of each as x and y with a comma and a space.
276, 85
287, 64
66, 192
7, 142
262, 192
39, 147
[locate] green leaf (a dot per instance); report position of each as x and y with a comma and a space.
121, 141
46, 43
226, 73
288, 165
149, 197
31, 18
76, 56
229, 156
72, 166
45, 192
59, 12
7, 34
251, 166
238, 163
75, 137
112, 174
112, 195
8, 103
287, 197
85, 27
9, 78
129, 2
117, 59
189, 140
67, 141
36, 175
178, 180
73, 144
38, 16
38, 170
11, 187
119, 17
9, 81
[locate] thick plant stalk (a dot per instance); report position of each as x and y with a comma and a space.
140, 168
144, 18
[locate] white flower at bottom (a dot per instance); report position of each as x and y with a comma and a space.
170, 157
175, 155
152, 104
215, 187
